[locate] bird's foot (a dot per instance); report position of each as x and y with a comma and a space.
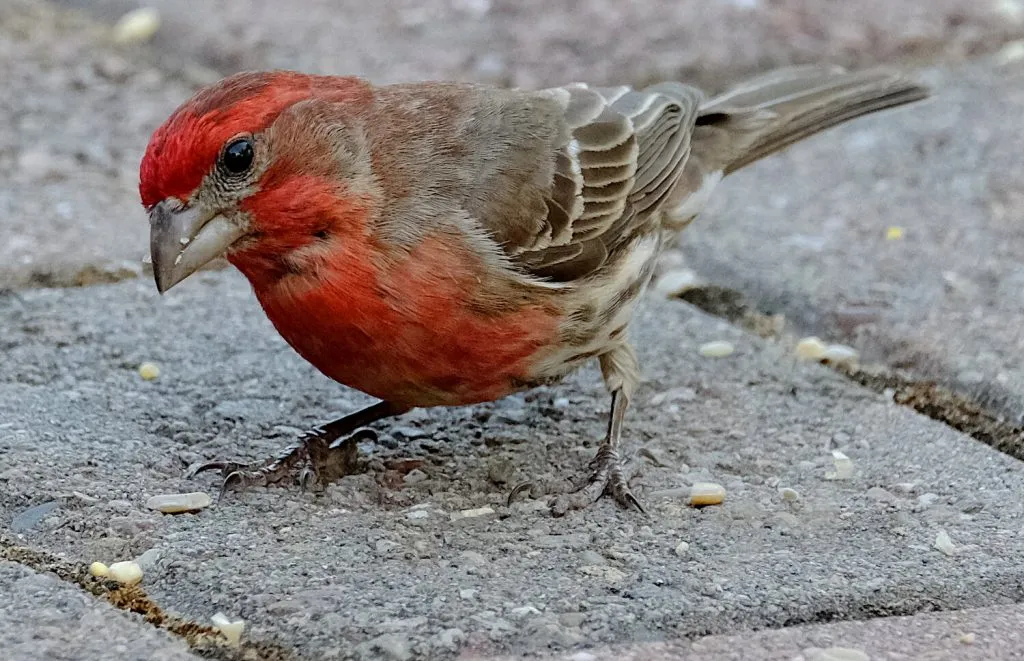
609, 476
314, 459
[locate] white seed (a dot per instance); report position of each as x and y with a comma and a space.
137, 26
840, 354
968, 638
176, 503
682, 548
717, 349
843, 467
789, 495
677, 282
706, 493
810, 348
471, 514
231, 629
126, 572
944, 544
99, 570
149, 371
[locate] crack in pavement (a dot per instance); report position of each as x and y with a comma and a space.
925, 396
203, 640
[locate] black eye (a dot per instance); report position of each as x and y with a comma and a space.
238, 156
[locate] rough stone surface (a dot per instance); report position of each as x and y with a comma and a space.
44, 619
806, 235
360, 568
982, 634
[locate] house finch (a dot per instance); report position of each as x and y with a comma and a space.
443, 244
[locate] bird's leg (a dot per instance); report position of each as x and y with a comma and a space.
609, 474
320, 455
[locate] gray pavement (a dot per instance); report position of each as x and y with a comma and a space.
375, 566
969, 635
805, 235
43, 618
382, 565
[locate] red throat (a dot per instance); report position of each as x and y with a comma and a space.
397, 325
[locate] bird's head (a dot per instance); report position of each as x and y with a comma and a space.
251, 167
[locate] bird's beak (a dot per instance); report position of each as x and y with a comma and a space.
184, 238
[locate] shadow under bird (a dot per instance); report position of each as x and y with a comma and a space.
444, 244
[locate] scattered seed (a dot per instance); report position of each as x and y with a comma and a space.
675, 283
126, 572
706, 493
843, 467
717, 349
471, 514
99, 570
231, 629
137, 26
894, 233
810, 348
944, 544
789, 495
149, 371
968, 638
176, 503
682, 548
840, 354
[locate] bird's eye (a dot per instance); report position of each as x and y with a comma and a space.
238, 156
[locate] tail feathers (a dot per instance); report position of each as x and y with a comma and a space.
767, 114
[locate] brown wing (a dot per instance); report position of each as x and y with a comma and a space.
623, 153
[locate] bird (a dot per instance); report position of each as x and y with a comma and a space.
439, 244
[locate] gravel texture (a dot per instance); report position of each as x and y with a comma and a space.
376, 567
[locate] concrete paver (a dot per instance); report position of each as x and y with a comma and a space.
376, 565
982, 634
44, 619
807, 235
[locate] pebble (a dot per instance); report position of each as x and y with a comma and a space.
717, 349
574, 540
926, 500
590, 557
417, 514
149, 559
450, 638
682, 549
468, 593
473, 558
523, 612
406, 433
572, 619
30, 518
500, 470
610, 574
177, 503
944, 544
415, 476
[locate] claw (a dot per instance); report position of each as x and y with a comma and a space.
518, 490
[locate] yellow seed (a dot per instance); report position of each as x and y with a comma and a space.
126, 572
894, 233
99, 570
149, 371
137, 26
706, 493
